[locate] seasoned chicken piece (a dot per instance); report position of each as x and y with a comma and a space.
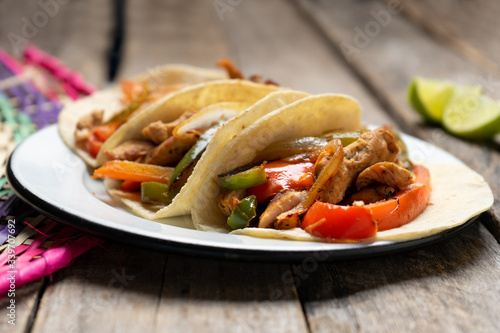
129, 150
171, 151
332, 156
371, 147
371, 194
228, 200
90, 120
159, 131
386, 173
84, 125
282, 202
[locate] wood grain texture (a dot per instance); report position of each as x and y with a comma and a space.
173, 31
389, 60
469, 26
77, 32
282, 46
110, 289
448, 287
26, 302
202, 295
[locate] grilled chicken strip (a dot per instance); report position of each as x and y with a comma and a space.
372, 147
172, 150
129, 150
282, 202
386, 173
228, 200
371, 194
85, 125
159, 131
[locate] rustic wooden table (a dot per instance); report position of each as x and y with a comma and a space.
369, 49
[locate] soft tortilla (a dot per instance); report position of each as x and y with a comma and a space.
109, 100
310, 116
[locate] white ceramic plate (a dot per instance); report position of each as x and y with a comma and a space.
49, 176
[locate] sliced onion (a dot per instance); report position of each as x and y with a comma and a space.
282, 149
334, 153
210, 115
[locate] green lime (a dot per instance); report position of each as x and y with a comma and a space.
472, 115
429, 97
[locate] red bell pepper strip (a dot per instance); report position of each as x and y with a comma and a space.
339, 222
130, 186
99, 135
283, 176
406, 205
358, 222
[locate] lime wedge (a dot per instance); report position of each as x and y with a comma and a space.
429, 97
470, 114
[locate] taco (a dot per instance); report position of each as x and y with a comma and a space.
160, 156
85, 124
310, 172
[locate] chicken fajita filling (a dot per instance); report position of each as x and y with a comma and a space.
342, 185
157, 166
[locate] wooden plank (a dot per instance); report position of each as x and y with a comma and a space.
76, 32
109, 289
291, 52
202, 295
448, 287
171, 32
26, 301
470, 27
388, 61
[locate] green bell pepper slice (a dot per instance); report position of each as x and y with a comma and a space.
194, 153
346, 137
154, 192
245, 179
245, 211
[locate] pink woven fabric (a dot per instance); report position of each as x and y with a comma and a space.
53, 246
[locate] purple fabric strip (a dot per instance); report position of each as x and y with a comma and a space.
19, 226
15, 91
48, 116
6, 206
46, 111
4, 233
5, 71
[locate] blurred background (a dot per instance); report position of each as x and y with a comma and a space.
369, 49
